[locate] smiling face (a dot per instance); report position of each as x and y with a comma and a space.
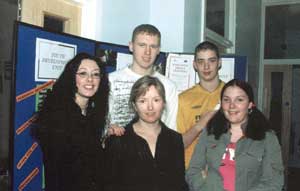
235, 105
207, 65
149, 106
87, 79
145, 49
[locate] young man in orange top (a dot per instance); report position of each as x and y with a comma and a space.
197, 104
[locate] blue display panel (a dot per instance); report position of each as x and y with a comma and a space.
27, 168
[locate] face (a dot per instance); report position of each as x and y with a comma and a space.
235, 105
207, 65
87, 79
145, 49
149, 107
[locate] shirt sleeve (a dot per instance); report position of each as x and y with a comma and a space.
273, 172
172, 108
112, 167
183, 183
194, 175
180, 117
111, 100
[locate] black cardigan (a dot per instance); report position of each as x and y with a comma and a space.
72, 154
130, 165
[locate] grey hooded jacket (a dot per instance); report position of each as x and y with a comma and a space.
258, 164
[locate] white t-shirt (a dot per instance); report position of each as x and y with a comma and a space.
121, 82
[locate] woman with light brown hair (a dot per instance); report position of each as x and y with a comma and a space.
149, 156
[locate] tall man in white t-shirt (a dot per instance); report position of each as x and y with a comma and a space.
145, 47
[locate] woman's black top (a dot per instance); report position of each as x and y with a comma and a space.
72, 153
130, 165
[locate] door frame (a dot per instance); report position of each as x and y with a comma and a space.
286, 102
262, 61
286, 106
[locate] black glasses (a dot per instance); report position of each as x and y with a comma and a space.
95, 75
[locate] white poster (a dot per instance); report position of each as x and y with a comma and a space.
180, 70
123, 60
226, 73
51, 58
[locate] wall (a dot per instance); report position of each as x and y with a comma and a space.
89, 15
248, 21
8, 14
168, 17
33, 12
192, 25
118, 19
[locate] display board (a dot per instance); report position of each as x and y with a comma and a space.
40, 56
119, 56
179, 68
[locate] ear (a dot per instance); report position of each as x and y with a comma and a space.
130, 46
158, 52
250, 105
195, 66
219, 64
134, 106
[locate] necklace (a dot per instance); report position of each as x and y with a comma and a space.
83, 112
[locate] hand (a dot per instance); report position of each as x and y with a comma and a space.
204, 172
114, 129
205, 117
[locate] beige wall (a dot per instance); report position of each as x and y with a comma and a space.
33, 12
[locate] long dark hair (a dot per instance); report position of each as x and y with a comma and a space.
257, 124
66, 83
65, 88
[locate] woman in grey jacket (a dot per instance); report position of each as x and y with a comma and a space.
238, 151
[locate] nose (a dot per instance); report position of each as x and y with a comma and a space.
89, 77
206, 65
147, 50
231, 104
150, 105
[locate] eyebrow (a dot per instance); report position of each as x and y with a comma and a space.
86, 69
239, 96
208, 58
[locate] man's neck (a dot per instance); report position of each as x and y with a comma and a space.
210, 86
141, 71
